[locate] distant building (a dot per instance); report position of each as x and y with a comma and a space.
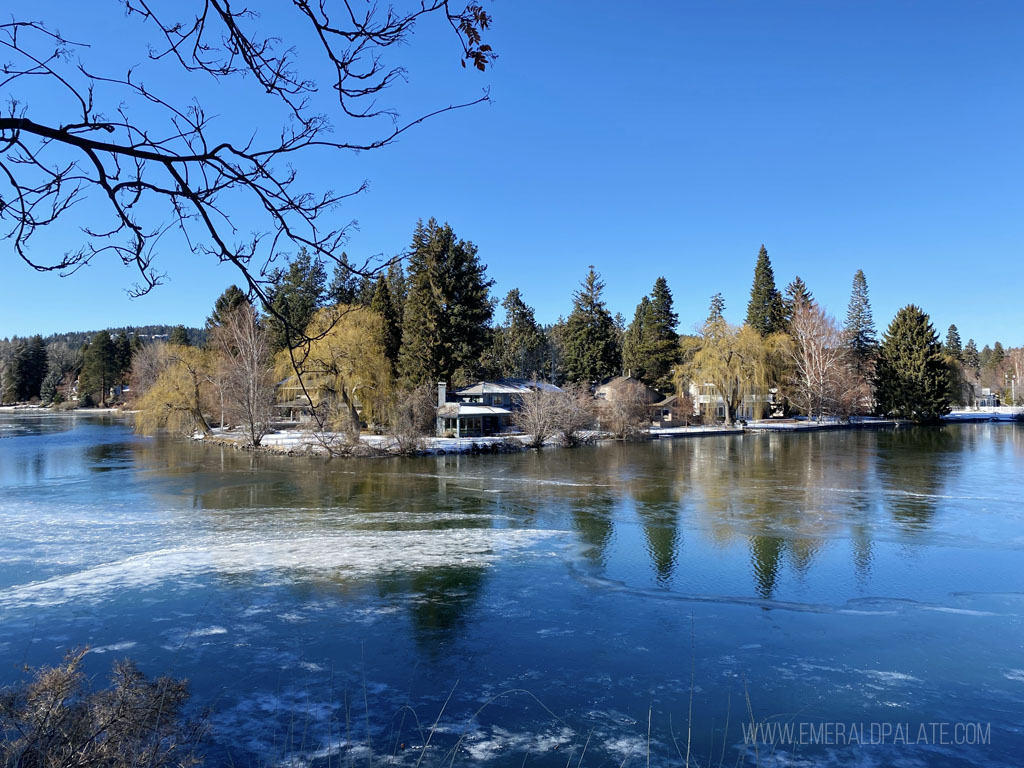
987, 399
483, 409
710, 405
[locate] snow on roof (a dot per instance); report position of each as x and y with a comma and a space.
506, 387
472, 409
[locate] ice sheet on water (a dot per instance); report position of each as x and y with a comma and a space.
353, 554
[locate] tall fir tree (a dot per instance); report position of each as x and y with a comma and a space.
519, 348
971, 357
99, 368
860, 325
122, 357
664, 338
912, 377
636, 341
796, 293
953, 346
447, 309
765, 312
592, 349
391, 328
345, 284
232, 298
717, 309
294, 297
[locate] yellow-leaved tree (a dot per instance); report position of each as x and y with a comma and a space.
344, 369
177, 397
737, 363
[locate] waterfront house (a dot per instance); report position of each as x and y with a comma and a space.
483, 409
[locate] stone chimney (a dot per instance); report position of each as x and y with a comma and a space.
442, 393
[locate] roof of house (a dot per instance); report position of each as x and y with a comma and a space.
450, 410
506, 387
616, 383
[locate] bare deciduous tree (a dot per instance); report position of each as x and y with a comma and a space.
246, 376
55, 719
625, 413
576, 413
824, 381
411, 417
124, 155
538, 413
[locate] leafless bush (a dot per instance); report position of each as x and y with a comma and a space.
625, 413
576, 413
55, 719
538, 414
411, 418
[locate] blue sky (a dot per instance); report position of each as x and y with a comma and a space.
674, 140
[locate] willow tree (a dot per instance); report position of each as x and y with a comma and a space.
737, 362
179, 393
343, 368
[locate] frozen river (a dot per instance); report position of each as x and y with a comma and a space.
567, 608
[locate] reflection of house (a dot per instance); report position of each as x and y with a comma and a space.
709, 404
486, 408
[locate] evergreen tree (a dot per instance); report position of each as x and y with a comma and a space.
636, 341
122, 356
953, 347
717, 308
912, 378
344, 287
796, 292
519, 346
295, 295
179, 336
396, 284
971, 358
99, 368
998, 355
232, 298
765, 312
391, 328
592, 351
860, 325
447, 311
664, 339
985, 358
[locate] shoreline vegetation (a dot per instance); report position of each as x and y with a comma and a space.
296, 441
418, 352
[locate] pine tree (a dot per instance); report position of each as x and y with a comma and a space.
122, 357
391, 328
295, 295
27, 370
99, 368
232, 298
178, 336
796, 293
998, 355
765, 312
592, 350
985, 358
860, 325
519, 348
636, 341
953, 347
971, 358
344, 287
664, 339
717, 308
447, 311
912, 378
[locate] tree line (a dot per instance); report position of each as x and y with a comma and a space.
354, 344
